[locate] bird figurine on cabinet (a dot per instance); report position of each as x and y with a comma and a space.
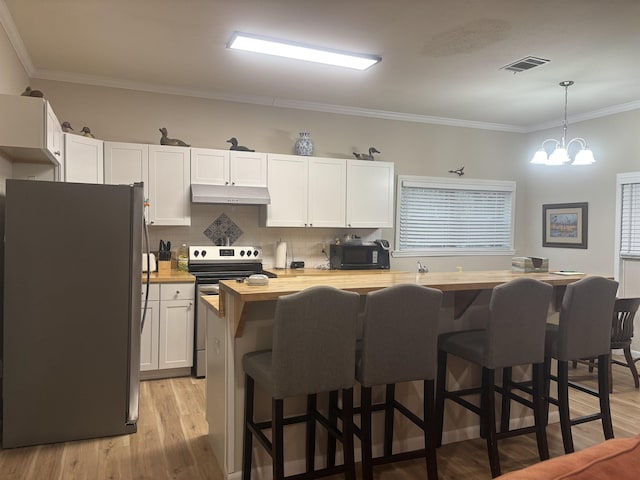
234, 145
364, 156
28, 92
171, 141
459, 171
66, 127
86, 132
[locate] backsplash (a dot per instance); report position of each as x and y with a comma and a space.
303, 243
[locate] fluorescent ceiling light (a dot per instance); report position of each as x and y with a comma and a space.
298, 51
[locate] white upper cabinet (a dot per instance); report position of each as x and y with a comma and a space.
327, 192
369, 194
228, 167
29, 130
306, 191
288, 189
84, 159
169, 185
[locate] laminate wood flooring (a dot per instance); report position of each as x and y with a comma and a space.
172, 443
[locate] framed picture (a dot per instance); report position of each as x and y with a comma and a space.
565, 225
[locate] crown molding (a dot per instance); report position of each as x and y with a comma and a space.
6, 20
603, 112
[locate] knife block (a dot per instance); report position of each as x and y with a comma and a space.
164, 266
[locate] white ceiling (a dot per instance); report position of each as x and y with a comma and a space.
441, 59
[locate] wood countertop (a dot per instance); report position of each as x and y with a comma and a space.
300, 272
172, 276
242, 294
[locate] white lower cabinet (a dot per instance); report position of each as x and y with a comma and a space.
167, 338
149, 338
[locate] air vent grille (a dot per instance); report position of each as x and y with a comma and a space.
526, 63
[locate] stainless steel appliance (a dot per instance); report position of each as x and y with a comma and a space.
359, 256
71, 323
210, 264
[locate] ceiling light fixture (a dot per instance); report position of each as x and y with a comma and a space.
560, 155
298, 51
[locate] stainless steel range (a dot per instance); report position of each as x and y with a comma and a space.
210, 264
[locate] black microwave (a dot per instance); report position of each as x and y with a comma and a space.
363, 256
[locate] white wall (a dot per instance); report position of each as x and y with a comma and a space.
616, 145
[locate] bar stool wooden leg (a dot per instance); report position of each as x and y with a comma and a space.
248, 436
347, 434
441, 384
390, 397
365, 436
311, 432
430, 439
505, 410
539, 410
489, 419
277, 440
603, 395
563, 405
333, 420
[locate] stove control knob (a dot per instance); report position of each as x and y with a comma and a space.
204, 253
196, 253
242, 253
255, 253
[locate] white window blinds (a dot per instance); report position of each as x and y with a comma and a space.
630, 220
469, 216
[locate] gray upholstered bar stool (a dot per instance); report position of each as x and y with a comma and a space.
515, 335
400, 334
314, 338
584, 331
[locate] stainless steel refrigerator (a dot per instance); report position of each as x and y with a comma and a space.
71, 322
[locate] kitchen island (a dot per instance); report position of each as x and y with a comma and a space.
241, 320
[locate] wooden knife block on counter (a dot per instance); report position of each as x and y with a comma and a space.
164, 266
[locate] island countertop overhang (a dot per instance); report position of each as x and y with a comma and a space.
242, 294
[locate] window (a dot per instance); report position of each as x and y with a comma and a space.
629, 189
439, 216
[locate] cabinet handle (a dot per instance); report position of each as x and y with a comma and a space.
177, 292
190, 305
57, 153
311, 224
226, 183
233, 183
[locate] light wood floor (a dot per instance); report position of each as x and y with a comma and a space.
171, 442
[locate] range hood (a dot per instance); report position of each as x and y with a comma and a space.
230, 194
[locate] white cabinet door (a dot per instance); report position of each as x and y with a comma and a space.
149, 340
369, 194
209, 166
169, 185
248, 169
54, 135
84, 159
176, 325
126, 163
327, 180
225, 167
288, 188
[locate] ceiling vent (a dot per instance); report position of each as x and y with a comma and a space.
526, 63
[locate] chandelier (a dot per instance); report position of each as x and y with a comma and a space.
560, 154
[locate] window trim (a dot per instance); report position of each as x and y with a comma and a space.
621, 179
458, 184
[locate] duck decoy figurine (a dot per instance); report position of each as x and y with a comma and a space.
459, 171
86, 132
234, 145
171, 141
28, 92
66, 127
364, 156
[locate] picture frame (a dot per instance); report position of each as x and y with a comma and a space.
565, 225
